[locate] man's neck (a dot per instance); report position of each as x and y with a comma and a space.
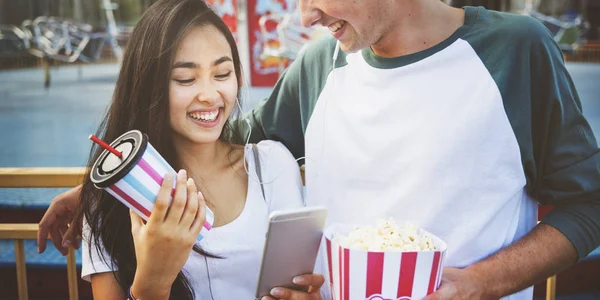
421, 25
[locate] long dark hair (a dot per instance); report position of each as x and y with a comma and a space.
141, 101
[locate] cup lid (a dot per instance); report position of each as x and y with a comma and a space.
109, 168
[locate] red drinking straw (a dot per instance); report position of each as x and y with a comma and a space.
106, 146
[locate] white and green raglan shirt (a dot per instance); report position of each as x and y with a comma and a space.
463, 139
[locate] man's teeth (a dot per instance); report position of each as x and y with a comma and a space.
336, 26
205, 116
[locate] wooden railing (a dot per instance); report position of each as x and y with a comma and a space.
37, 178
40, 177
70, 177
21, 232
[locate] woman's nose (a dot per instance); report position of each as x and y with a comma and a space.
208, 92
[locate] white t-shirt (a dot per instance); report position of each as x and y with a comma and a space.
240, 243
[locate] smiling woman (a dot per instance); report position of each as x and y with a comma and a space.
208, 78
179, 84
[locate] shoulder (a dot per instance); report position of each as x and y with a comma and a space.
274, 152
511, 29
276, 160
281, 176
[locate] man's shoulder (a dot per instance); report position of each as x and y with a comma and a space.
494, 27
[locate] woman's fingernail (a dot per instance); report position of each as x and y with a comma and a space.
277, 292
66, 244
298, 280
168, 176
264, 298
181, 173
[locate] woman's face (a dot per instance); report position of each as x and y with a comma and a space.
203, 86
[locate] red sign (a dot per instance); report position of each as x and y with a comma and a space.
227, 10
264, 42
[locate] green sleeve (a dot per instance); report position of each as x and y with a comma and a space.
558, 149
284, 115
278, 116
569, 159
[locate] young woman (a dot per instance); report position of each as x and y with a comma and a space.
179, 84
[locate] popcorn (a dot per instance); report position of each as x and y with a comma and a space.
385, 261
386, 236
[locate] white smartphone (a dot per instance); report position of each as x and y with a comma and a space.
291, 247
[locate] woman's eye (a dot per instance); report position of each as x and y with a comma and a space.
184, 81
223, 76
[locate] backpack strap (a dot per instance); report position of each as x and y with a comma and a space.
258, 169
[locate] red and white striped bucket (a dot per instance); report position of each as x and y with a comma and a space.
359, 274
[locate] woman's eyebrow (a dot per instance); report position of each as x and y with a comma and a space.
221, 60
185, 65
193, 65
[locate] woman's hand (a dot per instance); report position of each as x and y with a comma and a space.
163, 244
312, 281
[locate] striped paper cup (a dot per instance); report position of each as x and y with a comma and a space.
135, 179
359, 274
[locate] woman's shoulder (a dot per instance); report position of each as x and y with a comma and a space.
274, 152
281, 175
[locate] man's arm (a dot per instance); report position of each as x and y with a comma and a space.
540, 254
563, 170
58, 222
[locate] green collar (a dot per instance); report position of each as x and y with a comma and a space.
471, 14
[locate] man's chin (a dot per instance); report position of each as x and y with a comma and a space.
350, 47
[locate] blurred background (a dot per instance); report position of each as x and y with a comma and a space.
59, 61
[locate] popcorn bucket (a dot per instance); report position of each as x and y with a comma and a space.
391, 275
134, 178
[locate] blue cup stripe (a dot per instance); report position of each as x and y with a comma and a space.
157, 157
138, 186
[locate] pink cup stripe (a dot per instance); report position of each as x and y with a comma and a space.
374, 273
150, 171
346, 274
130, 200
434, 272
328, 243
153, 174
207, 225
407, 274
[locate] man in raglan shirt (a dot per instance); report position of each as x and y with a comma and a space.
459, 120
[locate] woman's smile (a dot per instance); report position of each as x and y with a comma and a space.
206, 118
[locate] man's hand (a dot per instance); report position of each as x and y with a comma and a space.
312, 281
58, 221
512, 269
460, 284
